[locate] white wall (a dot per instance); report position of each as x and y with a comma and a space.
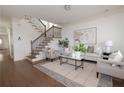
21, 28
109, 27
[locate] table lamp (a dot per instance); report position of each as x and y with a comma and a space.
108, 45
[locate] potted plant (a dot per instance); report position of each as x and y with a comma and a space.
64, 44
79, 49
60, 43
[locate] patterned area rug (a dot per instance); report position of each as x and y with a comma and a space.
68, 76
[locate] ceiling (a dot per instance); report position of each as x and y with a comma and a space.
56, 13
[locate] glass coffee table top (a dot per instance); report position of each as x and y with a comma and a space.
69, 56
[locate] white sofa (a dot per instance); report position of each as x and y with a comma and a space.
94, 52
92, 56
105, 67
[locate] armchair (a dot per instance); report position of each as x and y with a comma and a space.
105, 67
52, 54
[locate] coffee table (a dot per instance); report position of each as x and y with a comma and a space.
69, 57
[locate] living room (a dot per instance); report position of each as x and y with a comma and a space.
87, 37
99, 42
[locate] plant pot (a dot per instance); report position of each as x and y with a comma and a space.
77, 54
66, 50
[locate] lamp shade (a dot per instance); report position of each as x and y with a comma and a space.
108, 43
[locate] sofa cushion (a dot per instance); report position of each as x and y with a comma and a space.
116, 56
107, 69
92, 54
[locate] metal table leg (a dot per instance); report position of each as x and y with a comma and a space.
82, 64
61, 62
75, 65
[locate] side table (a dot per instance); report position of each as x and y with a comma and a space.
105, 55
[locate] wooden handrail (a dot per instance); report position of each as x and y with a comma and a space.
45, 25
58, 27
42, 23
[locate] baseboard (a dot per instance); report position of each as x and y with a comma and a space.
20, 60
40, 61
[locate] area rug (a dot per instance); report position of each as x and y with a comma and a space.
105, 81
68, 76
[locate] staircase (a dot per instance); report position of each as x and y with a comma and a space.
50, 34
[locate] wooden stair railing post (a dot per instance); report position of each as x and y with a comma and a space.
45, 31
31, 47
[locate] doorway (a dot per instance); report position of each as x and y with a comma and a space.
4, 40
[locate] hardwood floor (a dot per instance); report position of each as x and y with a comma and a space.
22, 74
118, 82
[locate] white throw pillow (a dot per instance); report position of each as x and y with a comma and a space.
116, 57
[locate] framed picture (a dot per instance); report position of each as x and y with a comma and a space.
87, 36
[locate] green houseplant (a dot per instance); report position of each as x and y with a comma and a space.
64, 44
79, 49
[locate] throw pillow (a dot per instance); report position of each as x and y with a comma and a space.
90, 49
116, 57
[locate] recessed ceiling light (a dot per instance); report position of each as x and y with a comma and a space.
67, 7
